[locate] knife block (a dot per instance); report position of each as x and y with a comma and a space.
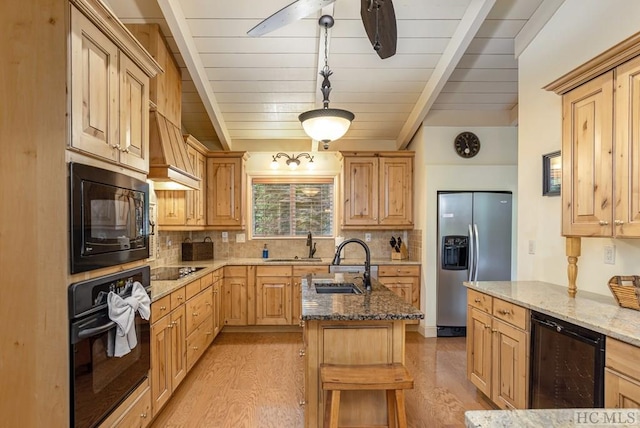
402, 255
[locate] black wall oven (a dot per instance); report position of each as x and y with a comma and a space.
109, 218
99, 380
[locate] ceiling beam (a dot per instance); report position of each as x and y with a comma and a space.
473, 18
538, 20
177, 22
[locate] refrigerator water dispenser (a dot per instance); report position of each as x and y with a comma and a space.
454, 252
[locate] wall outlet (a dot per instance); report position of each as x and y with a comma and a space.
225, 236
240, 237
169, 242
367, 237
610, 254
532, 246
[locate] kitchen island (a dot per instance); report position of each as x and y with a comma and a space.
367, 328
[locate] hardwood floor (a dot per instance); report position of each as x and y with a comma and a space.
255, 380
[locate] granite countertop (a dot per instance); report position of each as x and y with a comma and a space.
557, 418
378, 304
160, 289
597, 312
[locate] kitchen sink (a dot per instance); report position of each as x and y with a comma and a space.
337, 288
296, 260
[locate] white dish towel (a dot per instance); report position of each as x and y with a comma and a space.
123, 313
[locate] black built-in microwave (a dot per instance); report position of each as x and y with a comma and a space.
109, 215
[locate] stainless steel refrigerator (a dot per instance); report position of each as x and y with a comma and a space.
474, 244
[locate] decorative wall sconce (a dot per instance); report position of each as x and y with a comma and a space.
293, 162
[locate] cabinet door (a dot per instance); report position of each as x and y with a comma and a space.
273, 300
178, 349
195, 214
218, 316
296, 289
395, 187
134, 115
138, 415
235, 301
627, 150
224, 188
403, 287
94, 89
171, 207
620, 391
360, 191
160, 363
510, 366
479, 349
587, 171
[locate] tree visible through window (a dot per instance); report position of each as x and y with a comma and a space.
285, 208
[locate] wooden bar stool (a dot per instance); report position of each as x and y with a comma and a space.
393, 378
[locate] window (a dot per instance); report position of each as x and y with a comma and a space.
289, 207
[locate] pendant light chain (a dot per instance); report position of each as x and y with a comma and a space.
326, 71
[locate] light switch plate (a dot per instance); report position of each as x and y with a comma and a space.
610, 254
225, 236
367, 237
532, 246
240, 237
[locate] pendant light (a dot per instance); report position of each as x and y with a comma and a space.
326, 124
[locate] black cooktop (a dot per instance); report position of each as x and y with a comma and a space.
172, 273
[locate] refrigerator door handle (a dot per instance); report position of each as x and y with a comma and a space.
477, 267
471, 253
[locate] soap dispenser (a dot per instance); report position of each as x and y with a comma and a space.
265, 252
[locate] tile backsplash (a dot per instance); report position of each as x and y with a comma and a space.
169, 246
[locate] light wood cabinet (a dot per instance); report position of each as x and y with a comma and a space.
171, 207
621, 375
273, 295
404, 281
195, 199
378, 190
168, 353
498, 349
235, 295
134, 411
225, 190
218, 312
109, 98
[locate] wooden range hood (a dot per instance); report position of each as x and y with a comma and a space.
169, 165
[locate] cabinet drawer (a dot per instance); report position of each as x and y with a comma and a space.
395, 270
178, 298
234, 271
622, 357
139, 414
160, 308
479, 300
304, 270
192, 288
513, 314
198, 341
273, 271
206, 281
198, 309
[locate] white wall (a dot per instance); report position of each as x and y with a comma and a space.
579, 31
438, 167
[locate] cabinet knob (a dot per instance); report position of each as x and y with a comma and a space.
126, 150
301, 353
143, 415
493, 330
302, 402
163, 308
619, 222
195, 314
115, 146
603, 222
504, 311
487, 326
195, 348
477, 300
180, 297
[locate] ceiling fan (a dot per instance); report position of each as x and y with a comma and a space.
378, 18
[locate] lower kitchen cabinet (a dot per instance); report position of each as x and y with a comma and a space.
199, 325
134, 412
621, 375
168, 353
404, 281
498, 349
235, 295
218, 312
273, 295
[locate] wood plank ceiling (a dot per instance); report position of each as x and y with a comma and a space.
456, 65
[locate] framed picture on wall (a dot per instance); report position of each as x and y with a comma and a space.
551, 174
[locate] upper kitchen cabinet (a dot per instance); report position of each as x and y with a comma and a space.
195, 199
109, 85
601, 144
378, 190
225, 190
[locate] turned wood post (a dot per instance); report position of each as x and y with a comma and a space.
573, 252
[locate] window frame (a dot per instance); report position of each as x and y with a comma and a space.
291, 179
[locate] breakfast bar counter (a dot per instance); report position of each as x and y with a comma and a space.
353, 329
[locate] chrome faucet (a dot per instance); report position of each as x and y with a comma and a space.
366, 276
311, 245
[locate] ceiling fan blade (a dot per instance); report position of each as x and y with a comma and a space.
297, 10
387, 31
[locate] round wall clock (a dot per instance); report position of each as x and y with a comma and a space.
467, 144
